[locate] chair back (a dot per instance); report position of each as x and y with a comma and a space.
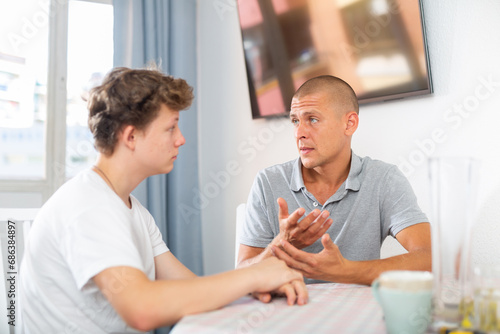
240, 220
14, 228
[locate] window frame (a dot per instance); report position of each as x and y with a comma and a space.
55, 125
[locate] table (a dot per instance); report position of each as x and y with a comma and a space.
332, 308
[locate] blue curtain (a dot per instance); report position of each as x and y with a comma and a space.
164, 31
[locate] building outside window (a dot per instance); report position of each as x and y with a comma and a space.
51, 54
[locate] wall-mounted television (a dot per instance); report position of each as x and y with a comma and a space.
377, 46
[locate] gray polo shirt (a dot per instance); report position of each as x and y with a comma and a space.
375, 201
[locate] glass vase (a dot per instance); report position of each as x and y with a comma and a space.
454, 183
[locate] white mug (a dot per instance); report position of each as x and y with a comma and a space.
406, 300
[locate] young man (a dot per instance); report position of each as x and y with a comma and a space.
351, 203
95, 261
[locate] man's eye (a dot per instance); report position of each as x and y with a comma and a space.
295, 121
314, 120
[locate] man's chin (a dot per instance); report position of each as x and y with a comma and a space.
307, 163
167, 169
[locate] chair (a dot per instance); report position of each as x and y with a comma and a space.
391, 247
240, 219
14, 228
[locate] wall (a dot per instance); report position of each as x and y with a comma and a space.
464, 50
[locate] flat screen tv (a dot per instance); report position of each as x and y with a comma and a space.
377, 46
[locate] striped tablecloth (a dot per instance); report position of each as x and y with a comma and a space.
332, 308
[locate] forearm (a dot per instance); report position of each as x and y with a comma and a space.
166, 302
365, 272
256, 255
266, 253
168, 267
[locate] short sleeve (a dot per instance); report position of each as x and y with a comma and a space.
98, 239
399, 206
159, 246
256, 230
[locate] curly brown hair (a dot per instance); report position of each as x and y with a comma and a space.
132, 97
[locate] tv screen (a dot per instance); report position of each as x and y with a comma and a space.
377, 46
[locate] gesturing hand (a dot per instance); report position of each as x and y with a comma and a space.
327, 265
307, 231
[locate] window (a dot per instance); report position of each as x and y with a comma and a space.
23, 89
90, 57
52, 54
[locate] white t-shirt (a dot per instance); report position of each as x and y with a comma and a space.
83, 229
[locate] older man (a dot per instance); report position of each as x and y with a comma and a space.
351, 204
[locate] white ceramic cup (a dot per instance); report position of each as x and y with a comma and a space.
406, 300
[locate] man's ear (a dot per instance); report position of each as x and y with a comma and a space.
128, 136
352, 123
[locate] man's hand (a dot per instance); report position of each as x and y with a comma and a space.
304, 233
276, 278
322, 266
295, 292
330, 265
300, 234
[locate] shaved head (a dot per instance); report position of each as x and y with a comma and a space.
340, 94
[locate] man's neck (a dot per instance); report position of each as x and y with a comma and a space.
120, 174
324, 181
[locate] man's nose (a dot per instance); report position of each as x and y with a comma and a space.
181, 140
300, 131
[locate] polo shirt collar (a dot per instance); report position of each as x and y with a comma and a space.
297, 182
352, 182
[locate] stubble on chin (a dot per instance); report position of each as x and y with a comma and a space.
307, 163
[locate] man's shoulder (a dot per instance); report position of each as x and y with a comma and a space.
282, 169
380, 173
85, 193
277, 177
84, 185
73, 189
376, 167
